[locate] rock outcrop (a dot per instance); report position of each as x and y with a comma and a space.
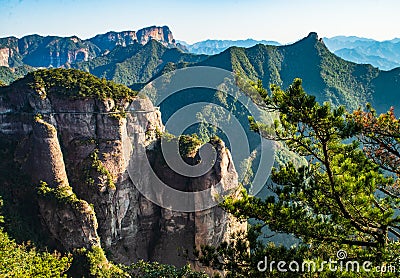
83, 154
108, 41
4, 56
161, 34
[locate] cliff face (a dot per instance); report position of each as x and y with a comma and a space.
108, 41
84, 157
161, 34
9, 54
4, 56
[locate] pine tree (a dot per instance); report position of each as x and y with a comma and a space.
342, 198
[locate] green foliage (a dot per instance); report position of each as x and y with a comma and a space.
325, 75
144, 269
283, 156
63, 195
347, 83
189, 144
98, 166
76, 84
335, 194
7, 75
240, 257
93, 263
380, 136
24, 260
210, 118
99, 265
338, 200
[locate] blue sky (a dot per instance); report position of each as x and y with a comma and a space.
281, 20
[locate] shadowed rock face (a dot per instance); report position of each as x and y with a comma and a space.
72, 224
90, 151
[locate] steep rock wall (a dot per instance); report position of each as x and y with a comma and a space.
4, 56
91, 150
71, 221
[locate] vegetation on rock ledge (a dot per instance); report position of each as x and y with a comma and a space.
76, 84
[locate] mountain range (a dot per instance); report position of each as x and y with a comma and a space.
382, 54
134, 58
325, 75
211, 47
20, 55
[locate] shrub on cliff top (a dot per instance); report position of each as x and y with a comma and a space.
76, 84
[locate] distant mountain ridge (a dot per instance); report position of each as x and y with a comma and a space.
54, 51
211, 47
325, 75
384, 55
136, 63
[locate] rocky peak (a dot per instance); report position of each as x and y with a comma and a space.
9, 42
310, 40
75, 39
312, 35
108, 41
161, 34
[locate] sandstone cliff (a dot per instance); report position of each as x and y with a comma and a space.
108, 41
82, 153
161, 34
